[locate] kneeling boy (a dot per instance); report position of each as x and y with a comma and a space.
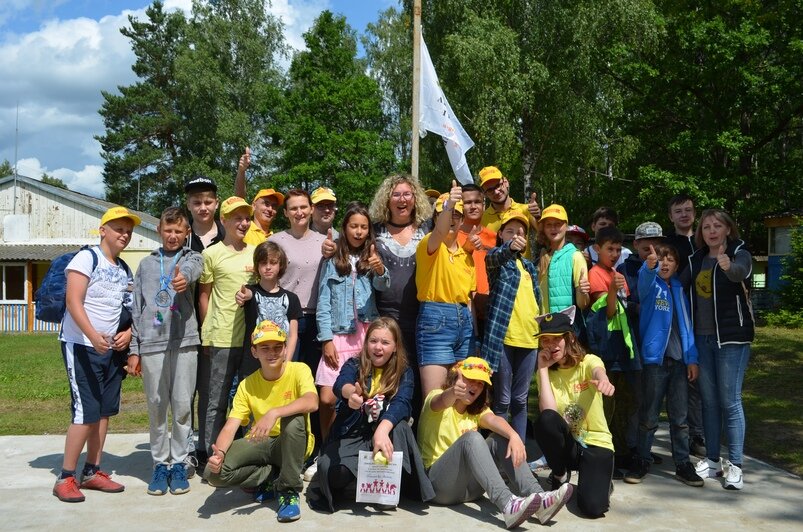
279, 396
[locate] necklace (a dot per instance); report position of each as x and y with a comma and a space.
400, 226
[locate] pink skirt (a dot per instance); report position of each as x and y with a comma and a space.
347, 346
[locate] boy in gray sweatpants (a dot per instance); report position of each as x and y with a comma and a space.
164, 347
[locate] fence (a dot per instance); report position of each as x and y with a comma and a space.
14, 318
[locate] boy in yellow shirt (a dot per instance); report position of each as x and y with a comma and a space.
279, 396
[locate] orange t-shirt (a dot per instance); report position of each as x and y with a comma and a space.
488, 239
600, 279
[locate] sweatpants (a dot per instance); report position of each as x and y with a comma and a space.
217, 368
249, 465
169, 381
471, 466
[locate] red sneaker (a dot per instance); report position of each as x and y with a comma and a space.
102, 482
66, 489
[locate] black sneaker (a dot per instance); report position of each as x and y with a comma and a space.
617, 474
697, 447
657, 460
556, 483
637, 472
687, 474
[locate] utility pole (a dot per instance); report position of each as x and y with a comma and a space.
416, 83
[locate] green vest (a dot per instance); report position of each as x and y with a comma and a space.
560, 282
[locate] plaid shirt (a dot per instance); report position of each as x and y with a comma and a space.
503, 278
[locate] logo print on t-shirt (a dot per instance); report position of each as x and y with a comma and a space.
702, 284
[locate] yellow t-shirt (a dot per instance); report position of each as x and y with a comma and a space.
579, 268
226, 270
522, 328
255, 395
580, 403
492, 219
444, 277
437, 431
376, 381
255, 235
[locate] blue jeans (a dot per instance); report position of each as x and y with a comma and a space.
721, 376
667, 380
443, 333
511, 386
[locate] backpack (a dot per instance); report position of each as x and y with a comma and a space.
51, 297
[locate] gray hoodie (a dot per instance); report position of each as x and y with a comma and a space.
175, 328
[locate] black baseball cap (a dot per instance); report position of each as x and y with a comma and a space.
199, 184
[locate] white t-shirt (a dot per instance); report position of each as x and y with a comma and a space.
594, 254
107, 290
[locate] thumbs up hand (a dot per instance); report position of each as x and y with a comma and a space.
215, 462
474, 241
455, 194
583, 284
722, 259
179, 281
533, 207
356, 398
245, 160
243, 295
375, 262
518, 243
328, 246
652, 258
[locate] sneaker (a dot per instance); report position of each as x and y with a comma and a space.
656, 459
519, 509
697, 447
158, 484
288, 507
733, 479
552, 502
686, 473
66, 489
264, 493
191, 465
101, 481
556, 483
178, 479
311, 470
706, 468
538, 465
637, 472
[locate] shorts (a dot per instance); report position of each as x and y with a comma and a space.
347, 346
95, 382
444, 332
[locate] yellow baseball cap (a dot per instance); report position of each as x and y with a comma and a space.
432, 193
267, 331
490, 173
443, 198
475, 368
322, 194
233, 203
115, 213
555, 211
268, 192
512, 214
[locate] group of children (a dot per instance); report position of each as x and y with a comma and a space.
208, 312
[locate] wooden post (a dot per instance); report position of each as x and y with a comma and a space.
29, 294
416, 83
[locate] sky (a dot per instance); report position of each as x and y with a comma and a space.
56, 56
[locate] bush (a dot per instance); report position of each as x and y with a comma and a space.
785, 318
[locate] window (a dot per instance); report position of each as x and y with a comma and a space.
12, 282
780, 240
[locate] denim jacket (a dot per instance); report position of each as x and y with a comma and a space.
396, 409
338, 295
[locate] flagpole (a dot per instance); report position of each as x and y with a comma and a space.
416, 83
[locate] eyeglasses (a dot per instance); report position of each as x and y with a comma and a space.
402, 195
491, 190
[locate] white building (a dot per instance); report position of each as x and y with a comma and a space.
39, 222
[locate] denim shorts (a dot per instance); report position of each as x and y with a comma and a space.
443, 333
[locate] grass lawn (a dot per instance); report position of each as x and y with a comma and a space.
34, 396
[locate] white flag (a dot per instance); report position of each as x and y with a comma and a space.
437, 116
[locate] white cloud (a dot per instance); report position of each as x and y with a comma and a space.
57, 72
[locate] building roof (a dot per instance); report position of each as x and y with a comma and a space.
37, 252
93, 203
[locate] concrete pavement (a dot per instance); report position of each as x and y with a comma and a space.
771, 500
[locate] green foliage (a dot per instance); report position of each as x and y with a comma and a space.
333, 124
792, 293
6, 168
785, 318
53, 181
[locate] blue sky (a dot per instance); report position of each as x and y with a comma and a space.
56, 56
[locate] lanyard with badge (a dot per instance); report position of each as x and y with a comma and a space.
164, 297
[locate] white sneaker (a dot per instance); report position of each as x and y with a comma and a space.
733, 478
311, 470
552, 502
519, 509
706, 468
